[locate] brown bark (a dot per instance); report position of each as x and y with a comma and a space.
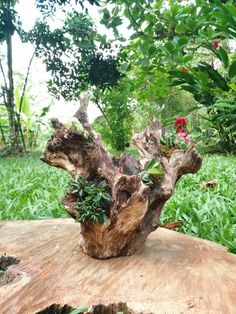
10, 91
15, 130
135, 208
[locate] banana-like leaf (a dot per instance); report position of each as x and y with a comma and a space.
223, 56
214, 75
187, 77
232, 69
25, 109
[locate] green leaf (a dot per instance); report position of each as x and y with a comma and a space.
221, 17
203, 77
144, 62
232, 85
155, 171
152, 49
44, 111
101, 38
187, 77
123, 67
106, 14
223, 56
187, 58
170, 46
84, 44
154, 168
151, 163
25, 109
225, 29
183, 41
214, 75
231, 9
232, 70
174, 9
82, 309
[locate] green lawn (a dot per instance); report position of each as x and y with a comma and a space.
207, 213
30, 189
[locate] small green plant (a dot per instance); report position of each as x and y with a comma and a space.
172, 141
169, 140
153, 171
146, 178
93, 200
74, 125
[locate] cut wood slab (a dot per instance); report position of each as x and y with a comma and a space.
175, 273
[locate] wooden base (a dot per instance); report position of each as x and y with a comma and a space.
175, 273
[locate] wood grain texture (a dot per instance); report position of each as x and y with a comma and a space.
175, 273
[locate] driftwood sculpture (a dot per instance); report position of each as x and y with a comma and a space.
136, 206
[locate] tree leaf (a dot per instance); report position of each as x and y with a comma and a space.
233, 86
214, 75
187, 58
151, 163
232, 70
170, 46
183, 40
231, 9
123, 67
152, 49
223, 56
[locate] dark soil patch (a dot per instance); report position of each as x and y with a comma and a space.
6, 276
112, 308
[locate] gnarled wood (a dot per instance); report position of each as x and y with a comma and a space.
135, 208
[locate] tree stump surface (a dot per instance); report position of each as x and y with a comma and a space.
175, 273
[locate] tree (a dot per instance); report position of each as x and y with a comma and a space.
79, 59
8, 22
49, 7
116, 106
117, 200
174, 38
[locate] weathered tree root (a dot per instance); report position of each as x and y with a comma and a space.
135, 209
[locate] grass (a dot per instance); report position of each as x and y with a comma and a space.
30, 189
208, 213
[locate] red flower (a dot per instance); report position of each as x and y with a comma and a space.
180, 122
185, 70
215, 44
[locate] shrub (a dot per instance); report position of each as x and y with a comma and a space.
93, 200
